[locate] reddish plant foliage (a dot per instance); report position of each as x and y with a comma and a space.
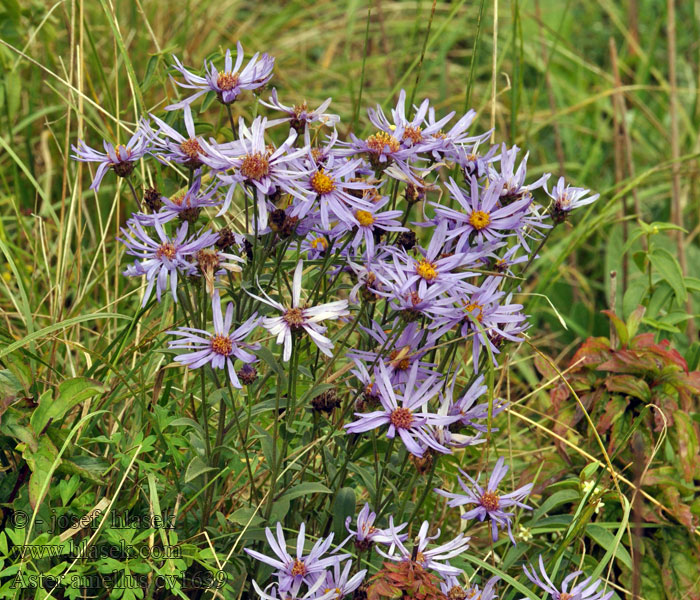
406, 579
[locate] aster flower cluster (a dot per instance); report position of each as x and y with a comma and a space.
394, 259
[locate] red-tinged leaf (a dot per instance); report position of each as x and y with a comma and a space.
629, 361
643, 340
614, 410
591, 352
558, 394
544, 366
688, 446
678, 508
630, 385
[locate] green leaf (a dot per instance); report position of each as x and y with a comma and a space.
247, 516
556, 499
70, 393
196, 468
60, 326
620, 326
272, 362
343, 507
670, 270
613, 546
661, 326
605, 539
305, 489
41, 464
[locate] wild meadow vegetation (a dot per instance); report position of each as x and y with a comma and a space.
261, 346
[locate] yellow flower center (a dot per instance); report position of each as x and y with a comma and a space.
490, 501
319, 241
300, 108
364, 218
426, 270
221, 344
322, 183
122, 152
479, 219
298, 568
413, 133
472, 308
456, 593
191, 148
400, 359
255, 166
377, 142
178, 198
401, 418
227, 81
166, 250
294, 317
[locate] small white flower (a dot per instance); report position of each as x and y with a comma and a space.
298, 317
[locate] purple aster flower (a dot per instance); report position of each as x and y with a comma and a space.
332, 185
257, 166
415, 134
121, 159
315, 246
585, 590
367, 285
472, 161
468, 411
511, 181
407, 419
444, 435
534, 220
297, 318
292, 571
381, 148
369, 221
229, 83
488, 502
169, 144
184, 204
434, 267
503, 264
406, 351
163, 258
219, 349
416, 179
449, 144
271, 592
299, 114
566, 198
398, 285
434, 559
452, 589
340, 583
367, 534
481, 215
483, 314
